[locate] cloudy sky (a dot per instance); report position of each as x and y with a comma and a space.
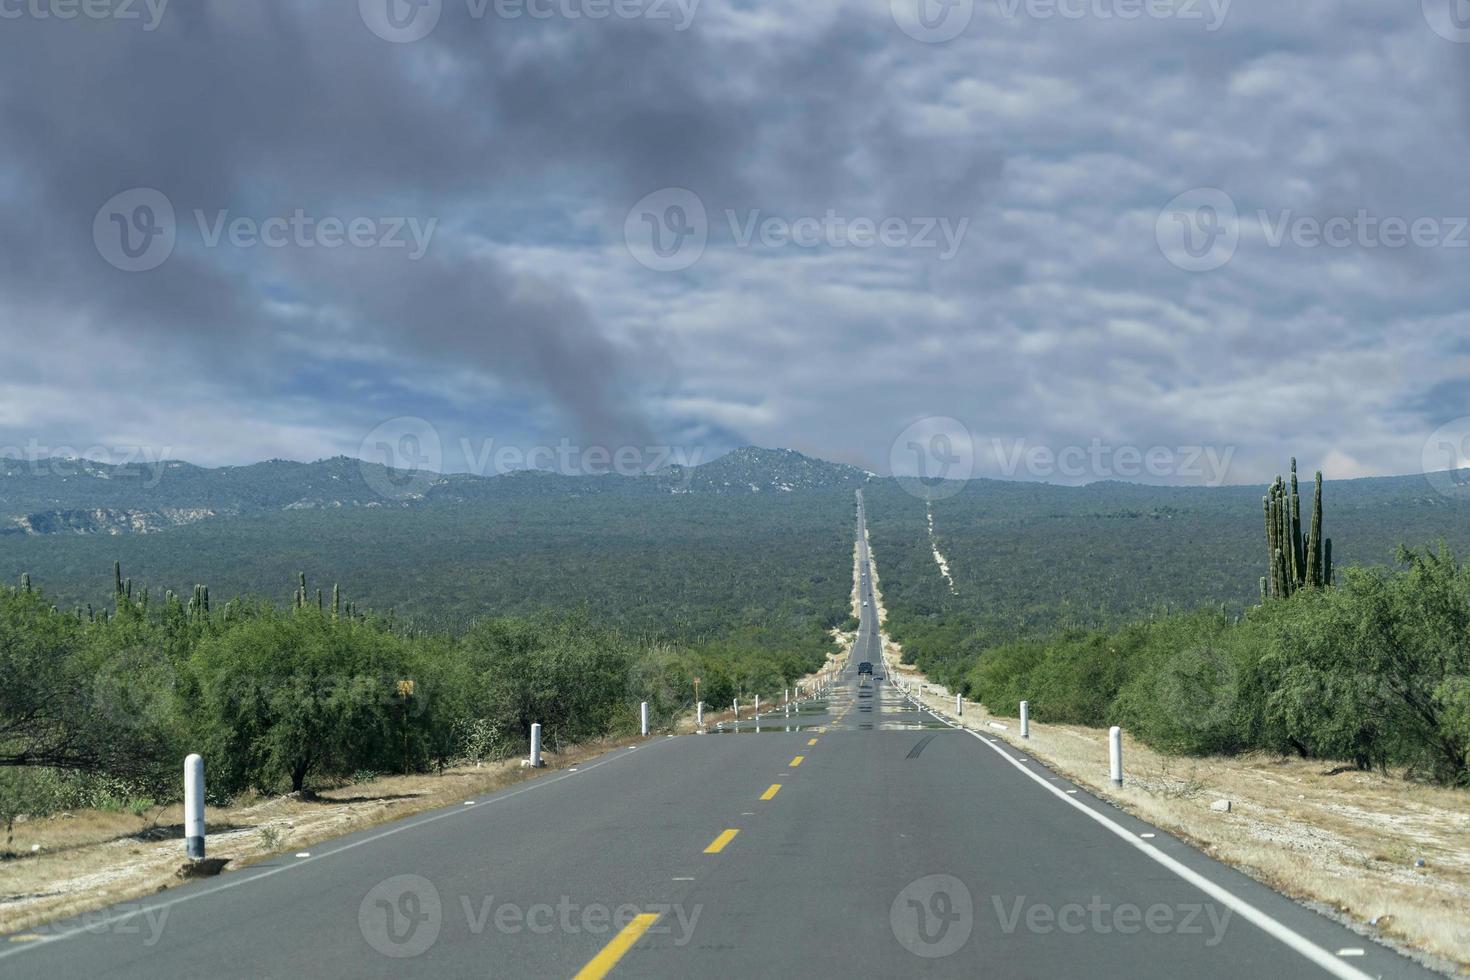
1034, 238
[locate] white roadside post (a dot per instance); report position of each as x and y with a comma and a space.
1115, 755
959, 705
699, 714
194, 807
735, 706
536, 745
643, 718
1025, 719
757, 705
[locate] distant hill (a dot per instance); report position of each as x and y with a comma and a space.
84, 497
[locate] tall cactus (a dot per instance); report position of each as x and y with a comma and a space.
1295, 561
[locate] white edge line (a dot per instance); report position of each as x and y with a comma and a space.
1285, 934
407, 823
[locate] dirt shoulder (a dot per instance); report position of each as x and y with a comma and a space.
75, 862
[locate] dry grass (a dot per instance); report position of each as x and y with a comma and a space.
90, 858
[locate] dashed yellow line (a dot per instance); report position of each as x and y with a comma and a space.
601, 964
797, 761
811, 741
771, 793
718, 844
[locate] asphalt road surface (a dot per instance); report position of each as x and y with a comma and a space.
854, 835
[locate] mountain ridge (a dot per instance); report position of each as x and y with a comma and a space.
80, 496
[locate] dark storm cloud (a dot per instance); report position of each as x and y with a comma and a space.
261, 112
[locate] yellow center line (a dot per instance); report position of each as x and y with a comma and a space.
601, 964
811, 741
798, 760
768, 794
719, 842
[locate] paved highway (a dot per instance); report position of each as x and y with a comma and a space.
856, 836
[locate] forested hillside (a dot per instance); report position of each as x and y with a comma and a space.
759, 572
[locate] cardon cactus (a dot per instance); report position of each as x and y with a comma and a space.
1295, 561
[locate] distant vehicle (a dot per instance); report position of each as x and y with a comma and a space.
865, 603
866, 667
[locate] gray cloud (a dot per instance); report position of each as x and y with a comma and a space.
1059, 320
